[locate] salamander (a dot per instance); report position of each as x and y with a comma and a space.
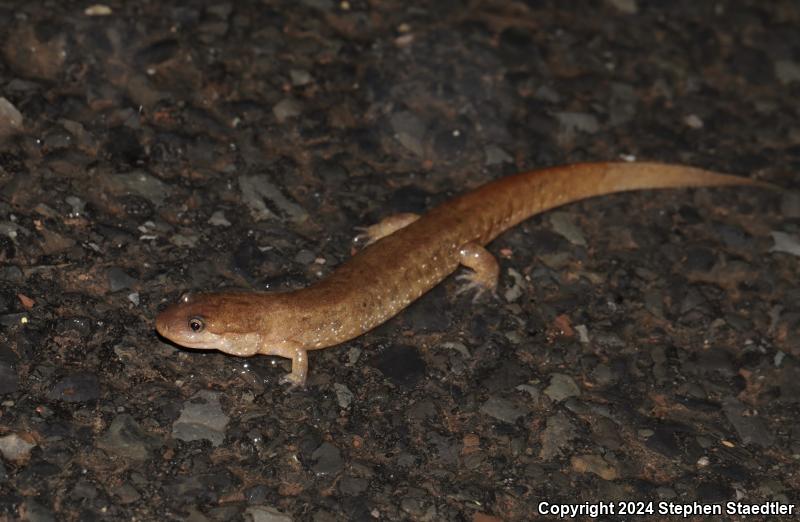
407, 256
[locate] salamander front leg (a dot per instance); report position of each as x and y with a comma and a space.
484, 270
299, 357
384, 227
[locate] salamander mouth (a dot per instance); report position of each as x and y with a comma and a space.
174, 335
161, 327
196, 345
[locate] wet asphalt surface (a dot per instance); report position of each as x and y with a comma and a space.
642, 347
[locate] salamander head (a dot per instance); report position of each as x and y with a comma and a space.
223, 321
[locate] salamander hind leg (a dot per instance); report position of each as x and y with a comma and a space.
384, 227
299, 370
484, 270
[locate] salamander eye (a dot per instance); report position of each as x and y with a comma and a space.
196, 324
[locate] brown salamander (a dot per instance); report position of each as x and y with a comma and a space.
407, 257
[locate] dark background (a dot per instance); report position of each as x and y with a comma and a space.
642, 346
